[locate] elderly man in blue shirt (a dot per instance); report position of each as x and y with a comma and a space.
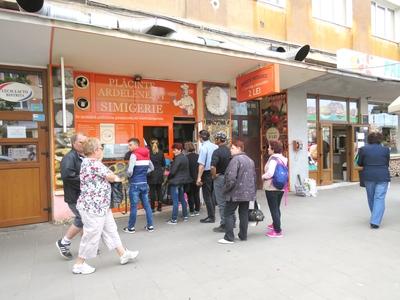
204, 178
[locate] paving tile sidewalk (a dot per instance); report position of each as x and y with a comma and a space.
328, 252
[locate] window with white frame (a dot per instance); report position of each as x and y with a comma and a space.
280, 3
383, 20
333, 11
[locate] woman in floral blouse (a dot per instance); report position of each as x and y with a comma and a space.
94, 206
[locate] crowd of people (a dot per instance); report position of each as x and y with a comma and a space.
225, 174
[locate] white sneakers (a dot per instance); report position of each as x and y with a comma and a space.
224, 241
83, 269
127, 256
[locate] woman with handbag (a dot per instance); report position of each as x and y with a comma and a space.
240, 189
274, 194
375, 176
94, 206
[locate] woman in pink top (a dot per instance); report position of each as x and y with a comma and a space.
273, 194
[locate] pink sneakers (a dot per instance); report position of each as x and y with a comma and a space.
273, 234
270, 227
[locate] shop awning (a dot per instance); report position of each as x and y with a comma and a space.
34, 40
394, 107
346, 85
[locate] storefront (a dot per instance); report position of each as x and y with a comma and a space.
335, 132
150, 87
331, 117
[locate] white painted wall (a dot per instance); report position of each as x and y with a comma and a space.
297, 125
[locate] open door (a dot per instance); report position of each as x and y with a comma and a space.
325, 161
358, 138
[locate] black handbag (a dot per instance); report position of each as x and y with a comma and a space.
256, 215
117, 194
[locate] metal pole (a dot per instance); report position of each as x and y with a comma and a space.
64, 104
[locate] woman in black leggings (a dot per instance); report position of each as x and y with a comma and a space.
191, 189
155, 178
274, 194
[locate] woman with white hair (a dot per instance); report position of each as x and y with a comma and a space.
94, 206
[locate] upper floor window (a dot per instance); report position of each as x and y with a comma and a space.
280, 3
334, 11
383, 20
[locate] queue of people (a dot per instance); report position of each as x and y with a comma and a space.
225, 174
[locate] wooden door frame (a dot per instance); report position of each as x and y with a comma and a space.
43, 154
323, 173
353, 169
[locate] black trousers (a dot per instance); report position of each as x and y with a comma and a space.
208, 197
274, 202
230, 209
193, 192
155, 194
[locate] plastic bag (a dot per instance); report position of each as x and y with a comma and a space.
311, 187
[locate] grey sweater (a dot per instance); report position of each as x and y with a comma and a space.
240, 179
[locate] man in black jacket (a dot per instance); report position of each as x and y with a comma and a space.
70, 169
219, 162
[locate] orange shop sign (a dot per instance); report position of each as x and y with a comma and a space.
261, 82
120, 98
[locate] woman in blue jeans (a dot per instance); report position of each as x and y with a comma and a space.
179, 175
374, 158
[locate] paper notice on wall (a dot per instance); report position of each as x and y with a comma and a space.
107, 133
18, 153
360, 135
16, 132
360, 144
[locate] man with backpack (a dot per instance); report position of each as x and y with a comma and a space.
275, 180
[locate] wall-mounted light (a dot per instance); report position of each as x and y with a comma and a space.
31, 6
298, 54
137, 78
214, 4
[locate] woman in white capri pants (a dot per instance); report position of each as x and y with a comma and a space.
94, 206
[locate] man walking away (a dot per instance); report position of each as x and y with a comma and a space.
219, 161
70, 169
204, 178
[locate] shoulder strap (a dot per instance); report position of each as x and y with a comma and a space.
279, 160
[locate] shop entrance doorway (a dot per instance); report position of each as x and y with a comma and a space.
157, 132
183, 132
337, 151
246, 127
340, 156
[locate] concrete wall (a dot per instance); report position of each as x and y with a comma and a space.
297, 124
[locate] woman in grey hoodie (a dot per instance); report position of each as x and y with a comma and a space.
240, 188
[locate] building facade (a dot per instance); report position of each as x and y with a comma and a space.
165, 69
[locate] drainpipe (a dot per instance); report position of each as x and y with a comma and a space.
63, 101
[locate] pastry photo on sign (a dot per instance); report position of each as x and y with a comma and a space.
216, 100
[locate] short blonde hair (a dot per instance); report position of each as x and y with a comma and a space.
91, 145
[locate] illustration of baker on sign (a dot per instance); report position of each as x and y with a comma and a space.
186, 102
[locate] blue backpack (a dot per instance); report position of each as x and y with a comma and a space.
281, 175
